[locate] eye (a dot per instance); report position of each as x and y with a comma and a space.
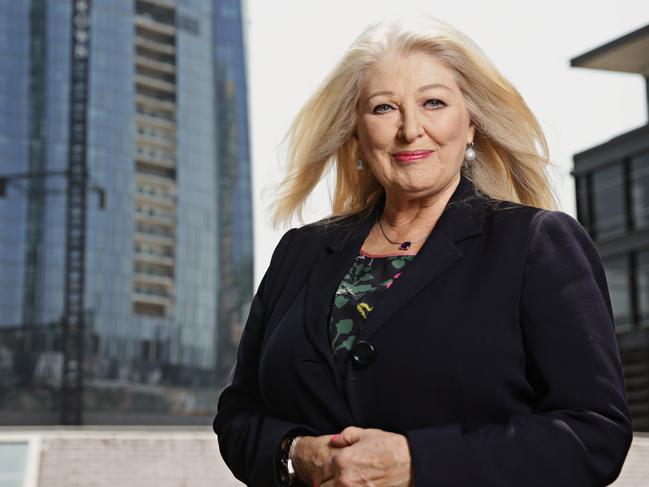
382, 108
434, 103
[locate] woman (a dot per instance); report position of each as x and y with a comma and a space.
444, 327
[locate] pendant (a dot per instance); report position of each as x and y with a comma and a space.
405, 245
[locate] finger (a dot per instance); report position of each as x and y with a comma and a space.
339, 441
349, 436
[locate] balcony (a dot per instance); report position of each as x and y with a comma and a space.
155, 55
155, 159
150, 309
163, 142
168, 4
157, 290
150, 179
155, 46
150, 258
154, 238
155, 104
163, 114
148, 63
150, 215
156, 84
147, 21
166, 301
151, 196
147, 278
156, 120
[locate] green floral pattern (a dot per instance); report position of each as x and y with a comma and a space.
368, 278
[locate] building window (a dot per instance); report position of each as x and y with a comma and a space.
583, 205
13, 463
642, 287
617, 276
188, 24
640, 191
608, 202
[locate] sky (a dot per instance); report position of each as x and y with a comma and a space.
292, 45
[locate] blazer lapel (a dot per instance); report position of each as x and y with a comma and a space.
463, 217
339, 250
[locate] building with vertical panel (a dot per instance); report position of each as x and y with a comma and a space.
613, 205
168, 235
235, 178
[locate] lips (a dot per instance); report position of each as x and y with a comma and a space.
407, 156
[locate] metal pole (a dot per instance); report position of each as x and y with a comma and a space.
73, 319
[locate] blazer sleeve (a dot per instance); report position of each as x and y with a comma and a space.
248, 436
580, 429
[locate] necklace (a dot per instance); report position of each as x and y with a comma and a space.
405, 245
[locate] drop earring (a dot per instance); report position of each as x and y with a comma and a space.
469, 153
360, 165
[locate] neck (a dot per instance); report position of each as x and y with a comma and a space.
413, 218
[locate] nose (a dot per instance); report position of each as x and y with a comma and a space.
411, 126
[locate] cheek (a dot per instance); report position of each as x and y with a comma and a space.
452, 129
376, 134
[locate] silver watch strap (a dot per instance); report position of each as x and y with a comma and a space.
291, 450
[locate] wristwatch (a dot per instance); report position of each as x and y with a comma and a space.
286, 470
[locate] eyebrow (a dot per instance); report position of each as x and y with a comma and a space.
423, 88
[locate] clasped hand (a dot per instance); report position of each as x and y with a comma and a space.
354, 457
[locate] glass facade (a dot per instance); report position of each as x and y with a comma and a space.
640, 191
642, 287
619, 287
14, 153
176, 189
608, 201
613, 205
234, 186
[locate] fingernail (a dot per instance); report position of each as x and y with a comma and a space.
333, 438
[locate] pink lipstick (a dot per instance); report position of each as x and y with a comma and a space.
408, 156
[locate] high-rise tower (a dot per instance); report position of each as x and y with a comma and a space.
167, 266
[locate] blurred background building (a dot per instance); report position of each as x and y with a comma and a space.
612, 182
141, 106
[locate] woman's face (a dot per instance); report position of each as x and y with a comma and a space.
413, 125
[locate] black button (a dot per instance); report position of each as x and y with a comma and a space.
363, 353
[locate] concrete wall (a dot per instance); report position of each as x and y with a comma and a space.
168, 457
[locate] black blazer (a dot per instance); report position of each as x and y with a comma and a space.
494, 353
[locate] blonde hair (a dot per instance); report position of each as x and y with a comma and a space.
512, 152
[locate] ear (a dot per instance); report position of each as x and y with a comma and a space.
470, 133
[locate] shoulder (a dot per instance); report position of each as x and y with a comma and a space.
535, 228
330, 230
299, 249
560, 250
555, 249
311, 234
558, 236
557, 223
536, 220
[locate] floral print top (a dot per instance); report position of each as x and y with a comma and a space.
359, 291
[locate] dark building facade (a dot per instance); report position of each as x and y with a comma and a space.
612, 183
142, 105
